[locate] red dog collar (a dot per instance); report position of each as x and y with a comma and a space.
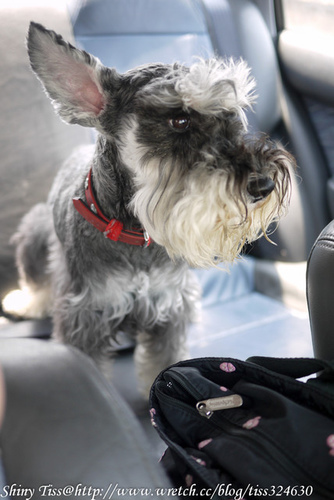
113, 228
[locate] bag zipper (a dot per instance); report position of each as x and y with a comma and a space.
217, 404
207, 407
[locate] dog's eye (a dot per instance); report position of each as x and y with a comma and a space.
179, 124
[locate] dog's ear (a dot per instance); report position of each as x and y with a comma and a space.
71, 77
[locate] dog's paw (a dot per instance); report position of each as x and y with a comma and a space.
149, 363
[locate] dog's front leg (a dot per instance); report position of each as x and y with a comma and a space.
162, 346
79, 322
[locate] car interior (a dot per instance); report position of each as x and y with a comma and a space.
64, 422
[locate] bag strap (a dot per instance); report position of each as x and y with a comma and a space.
295, 367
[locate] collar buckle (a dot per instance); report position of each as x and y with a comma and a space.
147, 239
113, 230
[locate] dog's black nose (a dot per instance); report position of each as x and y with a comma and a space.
260, 188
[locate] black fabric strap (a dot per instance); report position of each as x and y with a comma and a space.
294, 367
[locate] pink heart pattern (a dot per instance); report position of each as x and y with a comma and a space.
152, 415
222, 388
227, 367
251, 423
330, 444
204, 443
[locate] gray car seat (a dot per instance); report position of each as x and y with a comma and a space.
66, 429
320, 279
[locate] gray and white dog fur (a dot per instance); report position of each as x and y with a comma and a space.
173, 157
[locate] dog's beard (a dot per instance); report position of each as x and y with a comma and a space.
199, 215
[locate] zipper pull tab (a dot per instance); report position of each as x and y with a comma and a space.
207, 407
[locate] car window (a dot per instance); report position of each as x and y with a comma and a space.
315, 16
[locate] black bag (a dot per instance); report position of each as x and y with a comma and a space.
245, 429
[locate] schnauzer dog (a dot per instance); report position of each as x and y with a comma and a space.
174, 181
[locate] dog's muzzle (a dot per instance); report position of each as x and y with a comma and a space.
260, 188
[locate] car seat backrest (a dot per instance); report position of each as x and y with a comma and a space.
238, 29
319, 288
126, 34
